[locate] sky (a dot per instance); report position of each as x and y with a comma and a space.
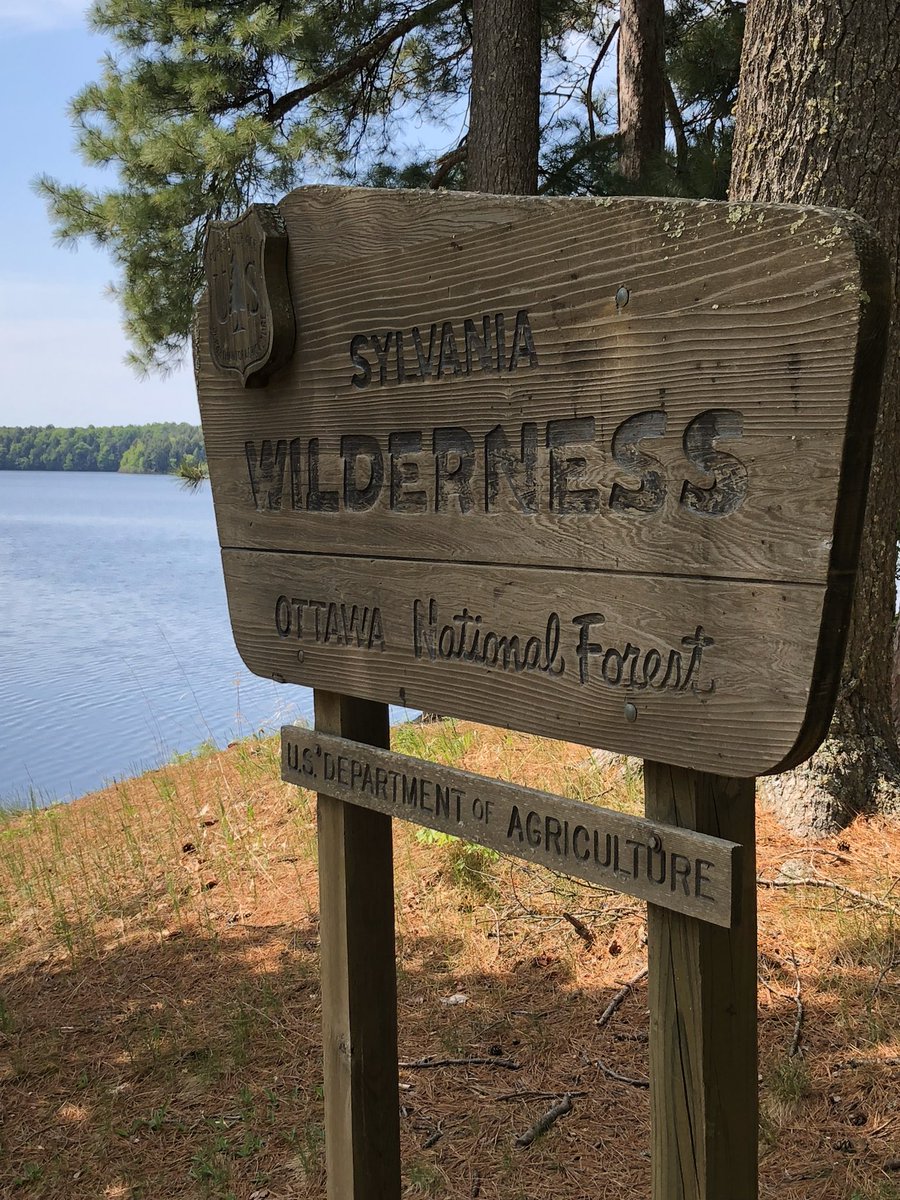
61, 343
62, 348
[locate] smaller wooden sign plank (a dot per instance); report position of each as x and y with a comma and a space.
691, 873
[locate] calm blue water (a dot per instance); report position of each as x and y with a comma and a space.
115, 645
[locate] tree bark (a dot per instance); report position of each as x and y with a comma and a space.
642, 87
504, 128
817, 123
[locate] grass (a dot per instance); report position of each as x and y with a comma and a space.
790, 1081
423, 1179
160, 1005
203, 750
884, 1190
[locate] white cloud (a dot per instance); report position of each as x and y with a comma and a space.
40, 16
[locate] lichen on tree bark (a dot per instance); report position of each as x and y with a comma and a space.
817, 123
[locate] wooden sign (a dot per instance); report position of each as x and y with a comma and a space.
679, 869
589, 468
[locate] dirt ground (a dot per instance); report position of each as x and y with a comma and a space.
160, 1008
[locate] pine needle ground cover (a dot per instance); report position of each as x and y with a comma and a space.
160, 1009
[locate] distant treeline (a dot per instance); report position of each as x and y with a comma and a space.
137, 449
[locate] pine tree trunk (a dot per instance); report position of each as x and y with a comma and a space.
642, 91
505, 103
817, 123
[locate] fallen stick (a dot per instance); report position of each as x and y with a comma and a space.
866, 1062
580, 928
611, 1074
798, 1025
895, 962
805, 881
543, 1123
619, 997
536, 1095
507, 1063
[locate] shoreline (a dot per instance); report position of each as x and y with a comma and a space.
12, 806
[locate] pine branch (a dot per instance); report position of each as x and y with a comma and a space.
589, 88
446, 164
578, 155
372, 50
677, 122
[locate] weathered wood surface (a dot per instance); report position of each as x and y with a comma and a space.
736, 707
685, 392
702, 995
359, 980
688, 872
249, 311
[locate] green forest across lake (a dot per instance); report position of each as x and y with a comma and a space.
156, 449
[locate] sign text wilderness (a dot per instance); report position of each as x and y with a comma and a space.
464, 476
530, 468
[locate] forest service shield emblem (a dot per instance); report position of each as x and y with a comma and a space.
251, 318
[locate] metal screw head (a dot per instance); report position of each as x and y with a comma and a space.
655, 842
630, 712
300, 656
622, 296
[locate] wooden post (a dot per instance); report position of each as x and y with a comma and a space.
359, 980
703, 1022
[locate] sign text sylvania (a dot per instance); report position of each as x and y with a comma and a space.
531, 467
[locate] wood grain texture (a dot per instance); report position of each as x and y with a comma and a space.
678, 869
703, 1024
250, 315
358, 974
689, 407
759, 665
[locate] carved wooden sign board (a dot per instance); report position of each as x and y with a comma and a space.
589, 468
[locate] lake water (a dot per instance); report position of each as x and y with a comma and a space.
115, 645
